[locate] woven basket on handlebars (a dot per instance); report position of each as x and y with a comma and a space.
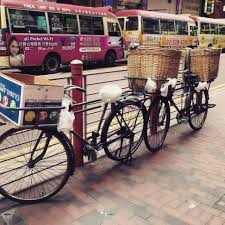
156, 63
205, 63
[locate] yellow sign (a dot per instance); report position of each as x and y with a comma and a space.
209, 7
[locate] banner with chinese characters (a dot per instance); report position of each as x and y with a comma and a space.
191, 7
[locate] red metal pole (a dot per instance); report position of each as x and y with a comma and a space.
145, 4
77, 79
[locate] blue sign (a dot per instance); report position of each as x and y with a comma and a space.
10, 96
108, 2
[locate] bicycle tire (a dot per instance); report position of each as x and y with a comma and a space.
151, 140
197, 125
112, 152
37, 185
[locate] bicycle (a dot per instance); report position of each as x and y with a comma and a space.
37, 162
194, 112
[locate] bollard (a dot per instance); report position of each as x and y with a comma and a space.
77, 79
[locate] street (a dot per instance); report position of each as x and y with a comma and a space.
182, 184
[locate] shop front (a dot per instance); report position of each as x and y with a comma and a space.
116, 4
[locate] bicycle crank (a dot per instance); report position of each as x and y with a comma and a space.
90, 153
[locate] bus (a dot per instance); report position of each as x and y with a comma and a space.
157, 29
46, 35
211, 32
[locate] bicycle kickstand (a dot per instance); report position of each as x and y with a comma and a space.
128, 160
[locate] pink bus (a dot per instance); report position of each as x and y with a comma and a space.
46, 35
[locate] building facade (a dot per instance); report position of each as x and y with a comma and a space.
116, 4
207, 8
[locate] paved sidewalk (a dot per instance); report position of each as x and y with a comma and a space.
182, 184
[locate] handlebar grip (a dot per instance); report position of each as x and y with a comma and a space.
74, 87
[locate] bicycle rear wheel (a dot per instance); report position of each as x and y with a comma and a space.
122, 131
157, 124
198, 109
34, 164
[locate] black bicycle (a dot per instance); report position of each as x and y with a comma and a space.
194, 112
36, 162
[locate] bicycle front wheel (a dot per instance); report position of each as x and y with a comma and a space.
122, 132
157, 124
34, 164
198, 109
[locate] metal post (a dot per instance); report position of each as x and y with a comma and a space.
77, 79
145, 4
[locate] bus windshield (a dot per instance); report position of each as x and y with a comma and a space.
132, 23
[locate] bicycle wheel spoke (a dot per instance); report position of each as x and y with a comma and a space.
198, 109
25, 180
158, 124
124, 125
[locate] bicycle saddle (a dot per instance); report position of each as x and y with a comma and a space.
110, 93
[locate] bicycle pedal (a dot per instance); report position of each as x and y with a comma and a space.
90, 153
184, 119
210, 106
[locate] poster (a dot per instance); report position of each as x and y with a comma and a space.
10, 96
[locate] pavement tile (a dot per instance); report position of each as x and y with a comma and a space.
216, 221
181, 185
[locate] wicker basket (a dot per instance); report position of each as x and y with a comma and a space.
205, 63
157, 63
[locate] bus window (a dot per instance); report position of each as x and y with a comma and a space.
113, 29
221, 29
121, 21
85, 25
150, 26
167, 27
91, 25
97, 26
193, 30
132, 23
181, 28
205, 28
62, 23
18, 20
70, 25
23, 21
214, 28
55, 23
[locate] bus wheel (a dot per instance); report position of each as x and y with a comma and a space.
110, 58
52, 64
26, 70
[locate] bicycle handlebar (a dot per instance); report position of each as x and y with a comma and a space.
74, 87
30, 108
